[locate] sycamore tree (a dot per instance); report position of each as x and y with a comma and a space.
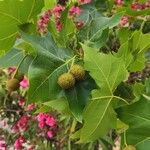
87, 59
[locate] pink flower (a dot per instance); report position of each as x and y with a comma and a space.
31, 147
50, 134
41, 117
41, 125
24, 83
11, 69
124, 21
21, 102
22, 124
85, 1
43, 21
45, 119
50, 121
147, 4
74, 10
31, 106
47, 124
19, 142
3, 145
59, 25
79, 24
41, 120
137, 6
119, 2
57, 10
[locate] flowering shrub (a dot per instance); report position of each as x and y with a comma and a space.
74, 74
17, 119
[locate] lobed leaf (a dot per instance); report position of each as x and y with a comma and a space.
14, 13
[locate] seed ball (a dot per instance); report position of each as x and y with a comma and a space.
129, 147
78, 72
12, 84
66, 81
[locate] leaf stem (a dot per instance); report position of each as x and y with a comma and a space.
5, 99
142, 25
19, 66
125, 138
72, 129
72, 59
69, 145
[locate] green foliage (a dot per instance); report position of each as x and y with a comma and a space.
45, 69
68, 30
99, 112
49, 3
129, 11
97, 116
136, 116
59, 105
79, 96
47, 66
107, 76
14, 57
133, 49
95, 32
104, 103
15, 13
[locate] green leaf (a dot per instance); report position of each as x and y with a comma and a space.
133, 51
123, 34
79, 96
14, 57
61, 105
48, 65
144, 43
131, 12
138, 118
14, 13
44, 71
49, 3
43, 109
138, 90
121, 127
95, 23
107, 70
28, 28
68, 29
138, 63
124, 52
99, 117
140, 45
99, 40
26, 47
144, 145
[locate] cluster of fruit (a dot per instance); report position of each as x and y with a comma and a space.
67, 80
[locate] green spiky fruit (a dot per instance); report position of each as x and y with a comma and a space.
12, 84
66, 81
78, 72
19, 76
129, 147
